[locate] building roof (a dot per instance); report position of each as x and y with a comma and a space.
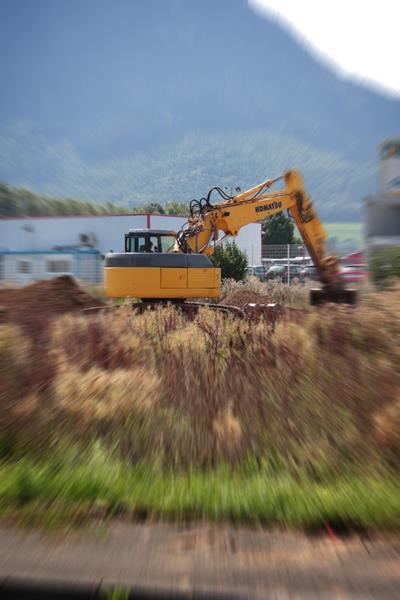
154, 231
53, 251
128, 214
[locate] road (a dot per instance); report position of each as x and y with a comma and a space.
201, 557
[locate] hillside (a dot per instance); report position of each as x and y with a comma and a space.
161, 100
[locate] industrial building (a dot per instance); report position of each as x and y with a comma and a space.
41, 247
23, 266
382, 211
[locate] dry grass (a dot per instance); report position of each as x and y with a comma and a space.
296, 295
16, 393
310, 398
216, 417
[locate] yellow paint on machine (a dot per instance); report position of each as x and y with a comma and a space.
153, 282
174, 278
203, 278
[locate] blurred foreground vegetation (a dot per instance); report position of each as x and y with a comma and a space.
216, 417
385, 266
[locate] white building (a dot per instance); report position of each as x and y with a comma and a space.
34, 239
382, 211
26, 266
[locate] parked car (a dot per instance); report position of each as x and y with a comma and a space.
354, 273
257, 271
281, 273
309, 273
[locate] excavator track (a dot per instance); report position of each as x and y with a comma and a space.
251, 311
189, 308
192, 308
339, 295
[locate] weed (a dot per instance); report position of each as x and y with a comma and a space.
212, 417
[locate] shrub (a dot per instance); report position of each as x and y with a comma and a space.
385, 265
231, 260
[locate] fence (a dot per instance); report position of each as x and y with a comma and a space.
285, 253
293, 257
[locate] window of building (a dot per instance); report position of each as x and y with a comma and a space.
58, 266
24, 266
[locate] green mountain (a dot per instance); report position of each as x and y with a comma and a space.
130, 102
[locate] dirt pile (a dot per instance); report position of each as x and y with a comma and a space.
242, 298
33, 306
256, 306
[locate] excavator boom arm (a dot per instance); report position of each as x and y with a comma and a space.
203, 230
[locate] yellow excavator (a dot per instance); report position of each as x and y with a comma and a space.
163, 265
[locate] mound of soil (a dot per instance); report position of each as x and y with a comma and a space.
255, 306
242, 298
272, 313
33, 306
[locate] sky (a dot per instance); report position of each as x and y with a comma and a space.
358, 37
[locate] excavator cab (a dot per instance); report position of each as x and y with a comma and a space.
151, 241
150, 269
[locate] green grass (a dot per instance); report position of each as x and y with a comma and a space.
63, 490
346, 231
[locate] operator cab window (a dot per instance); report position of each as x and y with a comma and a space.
167, 242
154, 244
135, 243
149, 242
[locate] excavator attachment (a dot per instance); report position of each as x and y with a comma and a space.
333, 287
320, 296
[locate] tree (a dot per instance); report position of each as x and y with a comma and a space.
231, 260
278, 229
176, 208
385, 265
153, 208
20, 202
